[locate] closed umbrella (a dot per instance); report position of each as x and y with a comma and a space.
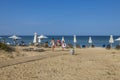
75, 41
90, 41
111, 40
35, 40
63, 39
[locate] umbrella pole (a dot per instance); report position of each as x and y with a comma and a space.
90, 45
74, 48
15, 42
74, 45
111, 45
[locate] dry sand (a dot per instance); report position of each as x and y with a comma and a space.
86, 64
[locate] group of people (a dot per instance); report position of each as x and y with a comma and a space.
58, 43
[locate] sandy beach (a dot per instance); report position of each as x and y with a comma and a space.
38, 39
86, 64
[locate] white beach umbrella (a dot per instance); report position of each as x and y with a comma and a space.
41, 37
75, 41
63, 39
35, 40
111, 40
118, 39
14, 37
90, 40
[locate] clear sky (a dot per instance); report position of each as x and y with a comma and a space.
60, 17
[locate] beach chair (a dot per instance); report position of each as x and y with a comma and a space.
83, 46
93, 46
103, 45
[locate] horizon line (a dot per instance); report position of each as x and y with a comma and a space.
59, 35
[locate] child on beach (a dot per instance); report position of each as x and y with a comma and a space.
52, 44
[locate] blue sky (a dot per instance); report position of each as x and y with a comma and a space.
60, 17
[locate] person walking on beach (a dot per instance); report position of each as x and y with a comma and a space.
63, 45
58, 42
52, 44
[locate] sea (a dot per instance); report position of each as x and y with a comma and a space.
97, 41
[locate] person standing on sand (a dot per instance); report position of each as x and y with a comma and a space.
52, 44
58, 42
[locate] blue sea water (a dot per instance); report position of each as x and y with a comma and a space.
98, 41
